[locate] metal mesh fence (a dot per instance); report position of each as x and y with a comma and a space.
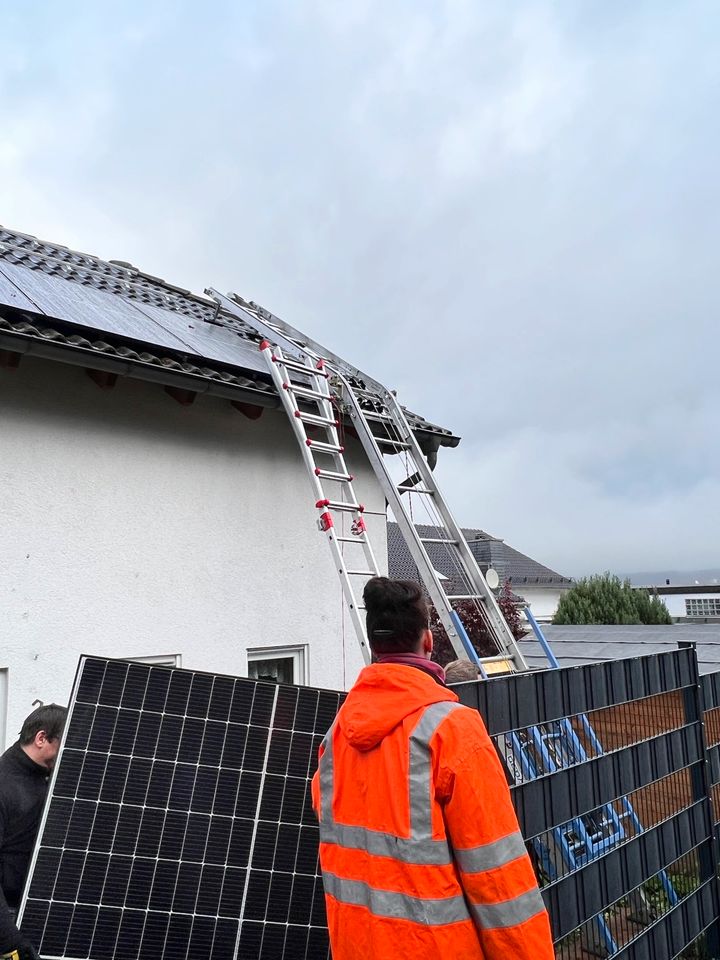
613, 769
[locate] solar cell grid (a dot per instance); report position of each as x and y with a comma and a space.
179, 825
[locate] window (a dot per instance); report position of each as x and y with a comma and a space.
703, 607
278, 664
160, 660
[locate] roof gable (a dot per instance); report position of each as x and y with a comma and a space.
489, 551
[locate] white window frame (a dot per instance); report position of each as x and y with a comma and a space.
297, 653
160, 660
702, 606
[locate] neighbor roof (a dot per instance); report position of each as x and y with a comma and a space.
109, 315
672, 589
578, 645
510, 564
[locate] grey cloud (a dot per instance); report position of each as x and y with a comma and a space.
508, 211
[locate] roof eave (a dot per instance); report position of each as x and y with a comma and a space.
213, 380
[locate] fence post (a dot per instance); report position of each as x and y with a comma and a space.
694, 705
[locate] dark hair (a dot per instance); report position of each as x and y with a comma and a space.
50, 717
396, 614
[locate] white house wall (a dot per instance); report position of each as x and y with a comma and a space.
543, 600
675, 602
133, 526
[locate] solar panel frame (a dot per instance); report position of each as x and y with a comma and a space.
181, 833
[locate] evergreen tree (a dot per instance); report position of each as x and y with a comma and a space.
605, 598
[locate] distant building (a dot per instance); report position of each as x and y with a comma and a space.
536, 584
696, 602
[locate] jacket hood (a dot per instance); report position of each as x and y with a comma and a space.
383, 696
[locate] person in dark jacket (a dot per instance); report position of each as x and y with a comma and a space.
24, 773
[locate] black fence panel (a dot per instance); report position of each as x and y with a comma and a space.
611, 778
512, 702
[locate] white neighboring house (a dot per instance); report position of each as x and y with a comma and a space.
539, 586
155, 504
696, 602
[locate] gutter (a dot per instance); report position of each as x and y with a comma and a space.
89, 358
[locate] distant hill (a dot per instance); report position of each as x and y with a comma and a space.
676, 577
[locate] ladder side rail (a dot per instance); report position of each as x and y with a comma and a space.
471, 570
540, 636
450, 620
328, 528
273, 333
298, 429
355, 615
311, 347
296, 344
330, 412
261, 326
407, 528
502, 631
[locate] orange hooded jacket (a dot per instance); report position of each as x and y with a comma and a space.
420, 849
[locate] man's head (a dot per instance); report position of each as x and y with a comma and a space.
397, 617
41, 733
459, 671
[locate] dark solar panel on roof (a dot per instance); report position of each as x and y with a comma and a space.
179, 824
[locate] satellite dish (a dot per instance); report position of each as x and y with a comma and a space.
492, 579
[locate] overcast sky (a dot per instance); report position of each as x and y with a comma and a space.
508, 211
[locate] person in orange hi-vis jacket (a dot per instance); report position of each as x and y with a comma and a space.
420, 849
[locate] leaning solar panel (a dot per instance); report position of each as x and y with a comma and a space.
179, 823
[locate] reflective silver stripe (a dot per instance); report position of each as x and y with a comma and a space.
419, 847
508, 913
487, 856
327, 780
421, 799
426, 851
399, 906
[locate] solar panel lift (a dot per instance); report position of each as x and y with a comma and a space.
319, 392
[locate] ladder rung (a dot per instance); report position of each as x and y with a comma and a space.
361, 573
400, 444
340, 505
325, 447
296, 365
463, 596
437, 540
359, 539
413, 489
306, 391
333, 475
372, 415
314, 418
504, 662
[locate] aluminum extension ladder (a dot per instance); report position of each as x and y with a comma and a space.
303, 375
